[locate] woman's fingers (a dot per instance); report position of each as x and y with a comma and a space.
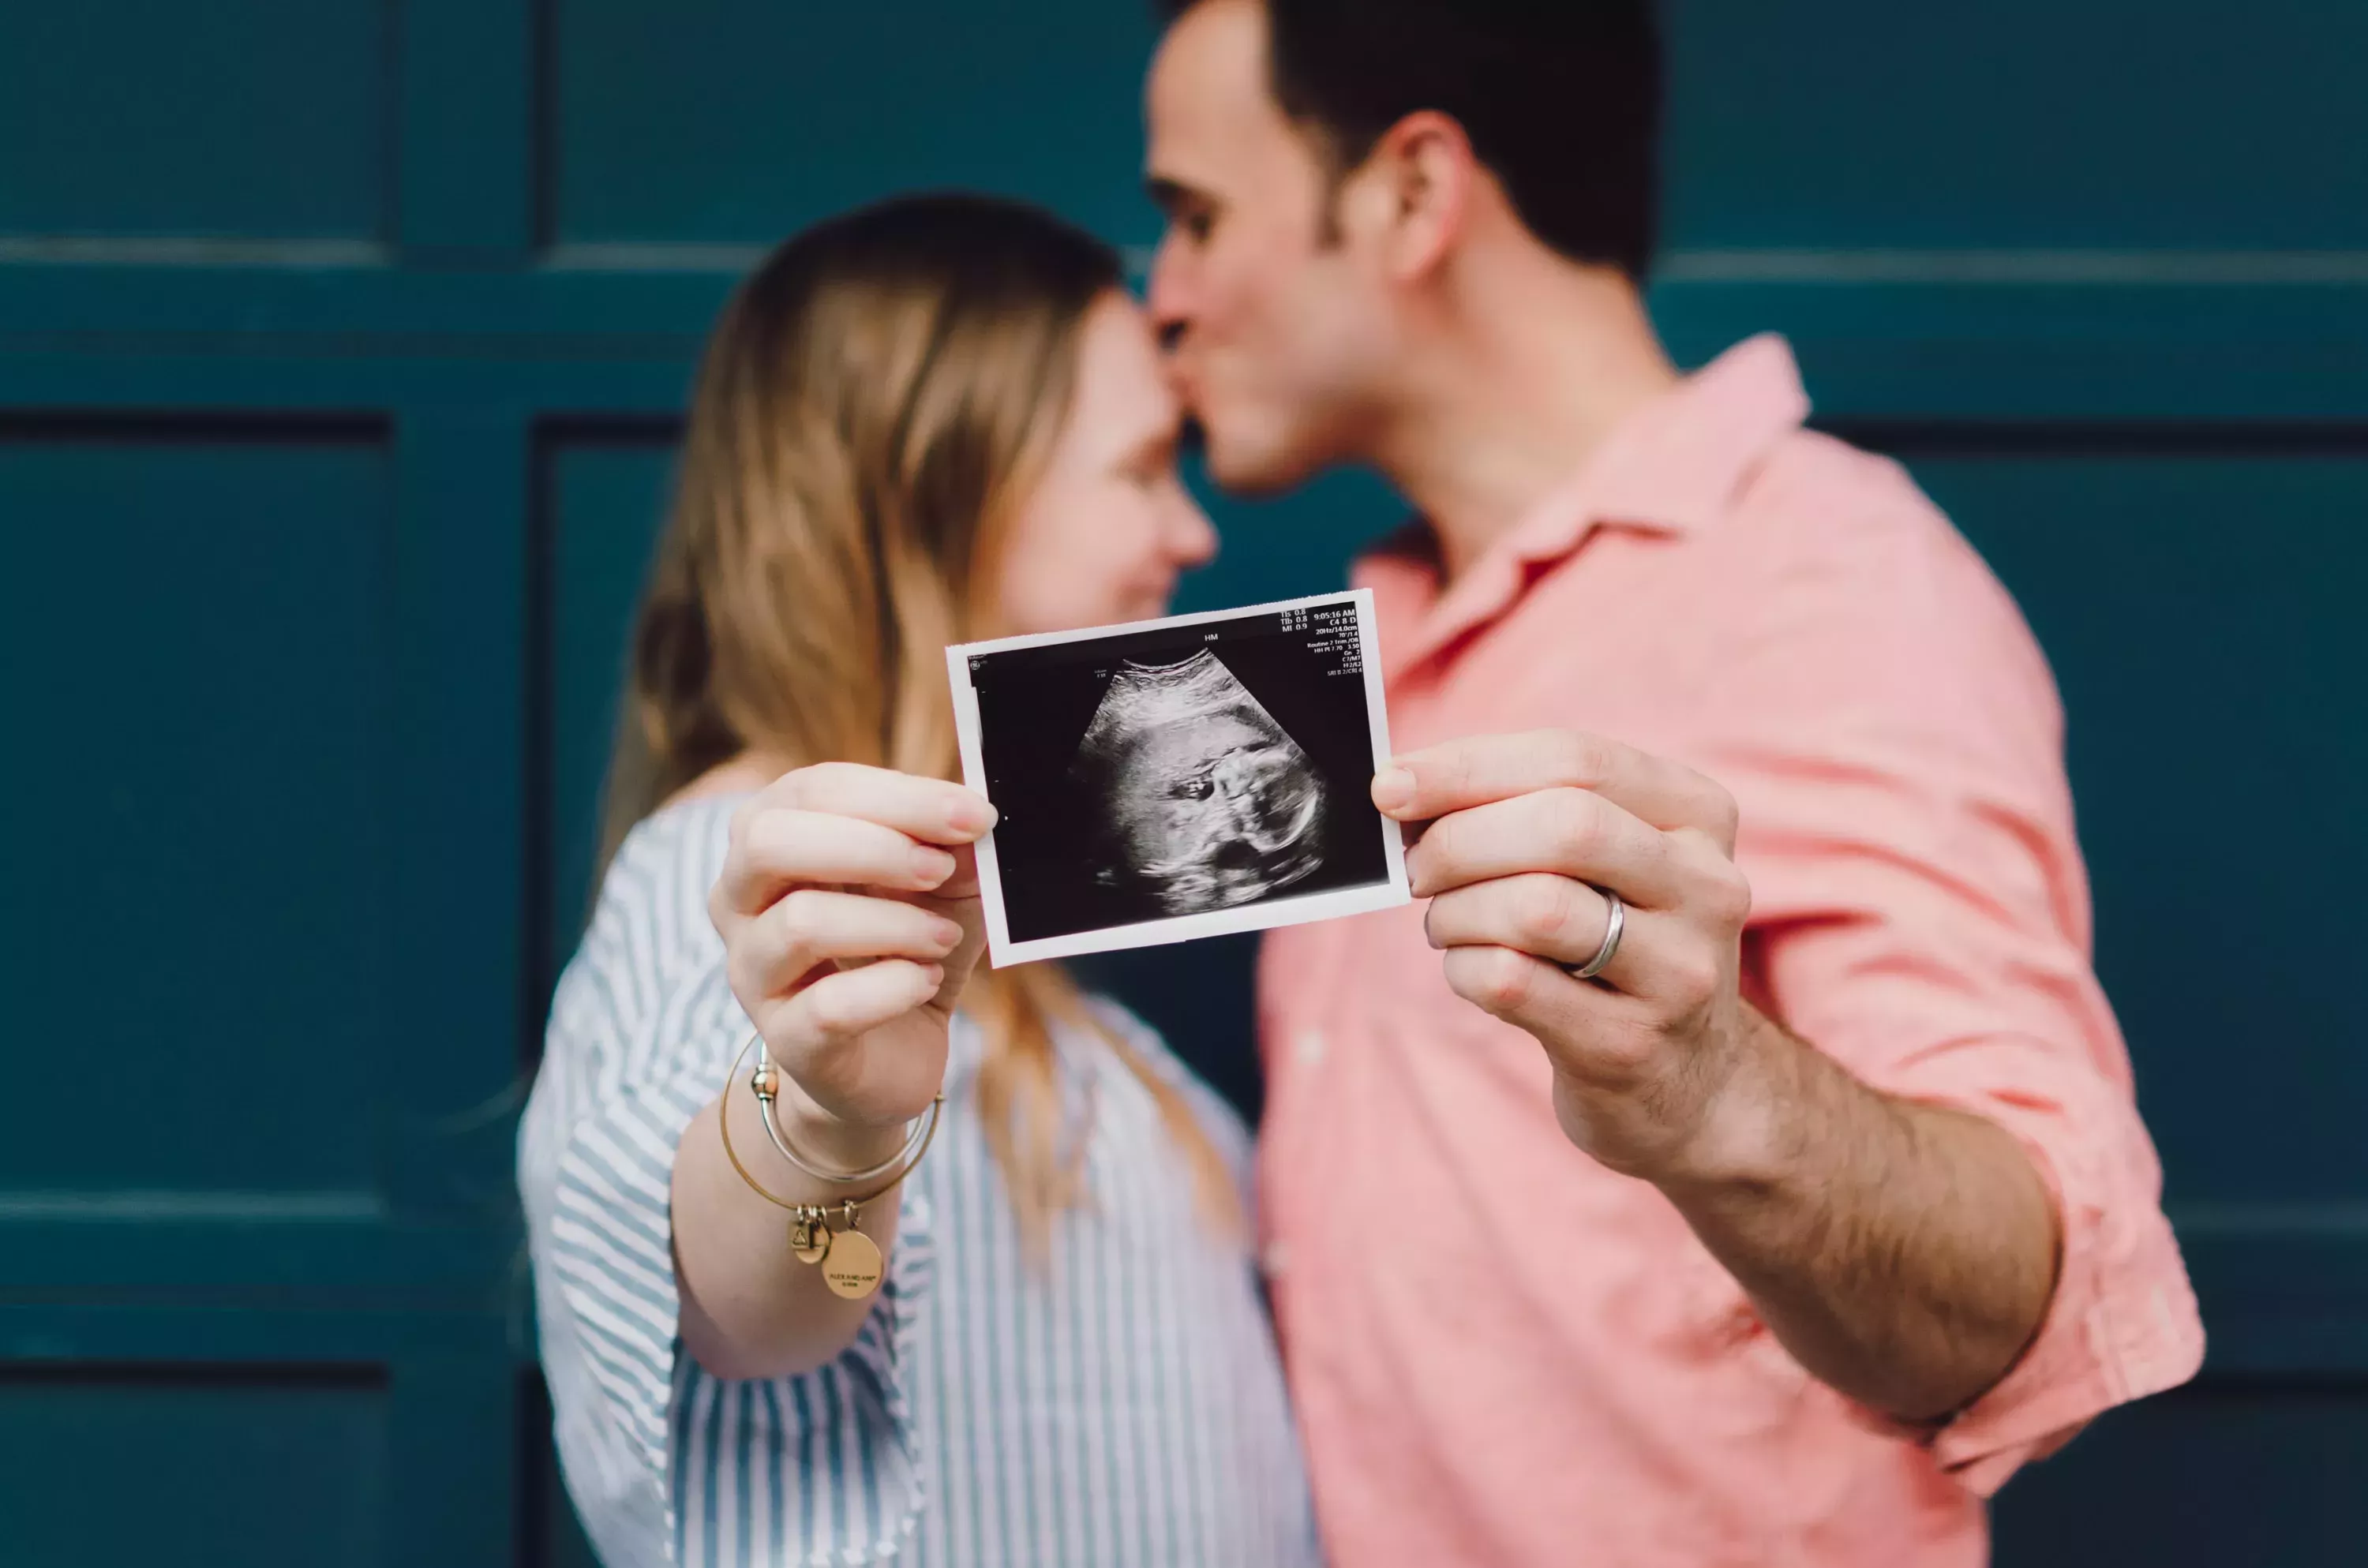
782, 847
844, 1005
927, 809
844, 824
814, 926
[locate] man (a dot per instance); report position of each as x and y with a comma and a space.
1870, 1218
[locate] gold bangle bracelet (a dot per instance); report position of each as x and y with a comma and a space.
852, 1262
766, 1081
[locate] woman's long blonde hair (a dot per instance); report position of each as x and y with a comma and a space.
874, 402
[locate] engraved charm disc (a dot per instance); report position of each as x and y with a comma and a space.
809, 1240
852, 1265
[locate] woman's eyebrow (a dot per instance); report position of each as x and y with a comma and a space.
1155, 449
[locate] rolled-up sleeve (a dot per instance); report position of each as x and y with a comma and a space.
1920, 911
648, 1439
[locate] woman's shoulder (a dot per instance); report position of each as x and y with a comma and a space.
650, 918
670, 859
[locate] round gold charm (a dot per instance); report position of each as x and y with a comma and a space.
809, 1240
852, 1265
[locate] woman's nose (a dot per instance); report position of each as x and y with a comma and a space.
1193, 538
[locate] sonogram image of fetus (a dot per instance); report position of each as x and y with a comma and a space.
1207, 803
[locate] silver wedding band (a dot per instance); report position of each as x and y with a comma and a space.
1611, 934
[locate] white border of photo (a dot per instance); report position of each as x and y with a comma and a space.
1261, 915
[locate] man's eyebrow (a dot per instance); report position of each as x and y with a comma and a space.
1171, 195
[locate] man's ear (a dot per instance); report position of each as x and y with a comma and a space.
1413, 194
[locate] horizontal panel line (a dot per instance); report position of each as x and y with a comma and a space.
108, 250
356, 1375
205, 427
172, 1207
1918, 437
652, 256
560, 431
2347, 1221
493, 1297
675, 349
2331, 1384
2080, 267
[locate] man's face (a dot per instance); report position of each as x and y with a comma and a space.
1277, 331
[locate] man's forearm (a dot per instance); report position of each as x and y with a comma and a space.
1903, 1253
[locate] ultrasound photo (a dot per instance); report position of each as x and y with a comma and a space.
1178, 779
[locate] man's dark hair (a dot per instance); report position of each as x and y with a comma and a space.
1560, 99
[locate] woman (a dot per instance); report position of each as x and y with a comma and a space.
933, 420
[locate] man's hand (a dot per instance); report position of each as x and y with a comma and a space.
1524, 833
1904, 1253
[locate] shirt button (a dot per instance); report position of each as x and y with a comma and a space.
1308, 1049
1275, 1259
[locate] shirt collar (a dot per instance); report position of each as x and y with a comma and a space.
1670, 467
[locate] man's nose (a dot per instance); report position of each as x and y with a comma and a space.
1166, 296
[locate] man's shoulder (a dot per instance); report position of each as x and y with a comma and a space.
1816, 489
1842, 564
1820, 513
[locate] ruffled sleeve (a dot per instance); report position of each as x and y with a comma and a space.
666, 1462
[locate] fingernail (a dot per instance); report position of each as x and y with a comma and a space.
970, 815
932, 866
949, 935
1393, 789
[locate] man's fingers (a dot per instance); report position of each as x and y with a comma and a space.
1568, 832
1461, 774
1602, 1034
1556, 918
927, 809
1564, 923
782, 846
814, 926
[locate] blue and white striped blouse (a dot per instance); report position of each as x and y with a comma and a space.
1119, 1404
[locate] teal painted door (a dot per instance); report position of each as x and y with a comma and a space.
341, 348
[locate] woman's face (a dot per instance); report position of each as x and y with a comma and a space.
1109, 525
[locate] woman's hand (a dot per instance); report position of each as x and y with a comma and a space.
849, 911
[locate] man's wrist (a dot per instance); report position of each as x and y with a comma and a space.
1750, 1137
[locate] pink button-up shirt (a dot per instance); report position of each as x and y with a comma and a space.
1506, 1354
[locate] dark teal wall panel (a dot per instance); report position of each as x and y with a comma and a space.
718, 121
2019, 123
235, 118
2250, 1474
342, 344
196, 624
152, 1465
605, 494
2201, 609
